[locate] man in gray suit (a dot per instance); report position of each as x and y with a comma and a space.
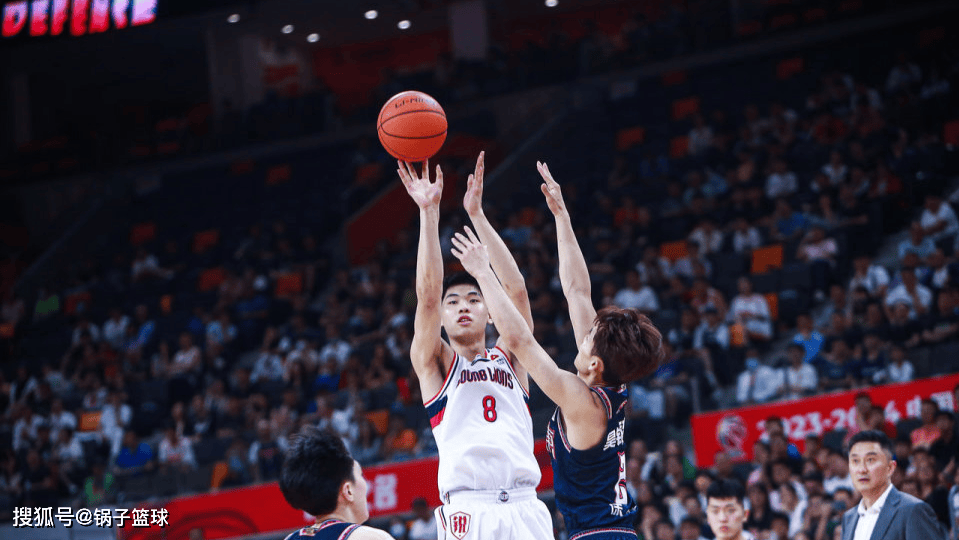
884, 513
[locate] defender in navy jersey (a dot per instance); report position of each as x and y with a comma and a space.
321, 478
585, 436
589, 496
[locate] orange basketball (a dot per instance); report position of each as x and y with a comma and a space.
412, 126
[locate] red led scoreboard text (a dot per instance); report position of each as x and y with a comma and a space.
78, 17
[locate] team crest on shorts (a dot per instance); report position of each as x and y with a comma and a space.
460, 524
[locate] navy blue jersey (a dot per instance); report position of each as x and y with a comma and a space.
591, 484
330, 529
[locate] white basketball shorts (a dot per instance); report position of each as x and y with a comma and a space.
494, 515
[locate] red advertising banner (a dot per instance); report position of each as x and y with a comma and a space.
262, 509
736, 430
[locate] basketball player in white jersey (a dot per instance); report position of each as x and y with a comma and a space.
476, 398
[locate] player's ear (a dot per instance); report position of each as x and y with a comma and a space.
595, 364
347, 491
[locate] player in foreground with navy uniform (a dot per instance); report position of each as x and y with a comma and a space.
321, 478
585, 436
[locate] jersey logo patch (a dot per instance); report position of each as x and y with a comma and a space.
460, 524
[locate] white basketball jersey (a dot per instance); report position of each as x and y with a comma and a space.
482, 426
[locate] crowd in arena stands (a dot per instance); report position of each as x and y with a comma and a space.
827, 178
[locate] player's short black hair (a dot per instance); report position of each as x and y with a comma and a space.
316, 466
726, 489
875, 436
458, 278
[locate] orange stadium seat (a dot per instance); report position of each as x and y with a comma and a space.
950, 133
773, 300
368, 173
241, 167
210, 279
90, 421
289, 284
278, 174
220, 471
6, 331
142, 233
674, 78
673, 250
679, 147
789, 67
204, 240
166, 304
767, 258
627, 138
686, 107
380, 420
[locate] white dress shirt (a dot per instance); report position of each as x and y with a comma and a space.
868, 518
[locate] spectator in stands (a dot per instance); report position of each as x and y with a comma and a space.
146, 267
115, 417
934, 271
946, 448
423, 526
898, 370
12, 309
810, 339
938, 220
134, 456
221, 330
176, 452
636, 295
707, 236
700, 136
336, 347
685, 266
925, 435
901, 329
653, 269
836, 369
712, 333
835, 170
184, 369
751, 311
836, 475
266, 453
366, 447
873, 277
781, 182
917, 296
706, 297
819, 251
745, 237
917, 243
787, 224
799, 377
84, 326
872, 361
144, 328
115, 328
269, 364
60, 419
758, 383
99, 488
903, 76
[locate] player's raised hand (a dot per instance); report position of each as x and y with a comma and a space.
423, 192
473, 200
554, 195
471, 252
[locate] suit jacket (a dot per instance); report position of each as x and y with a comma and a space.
903, 517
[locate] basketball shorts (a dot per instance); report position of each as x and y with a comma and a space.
494, 515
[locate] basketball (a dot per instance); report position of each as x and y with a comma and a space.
412, 126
